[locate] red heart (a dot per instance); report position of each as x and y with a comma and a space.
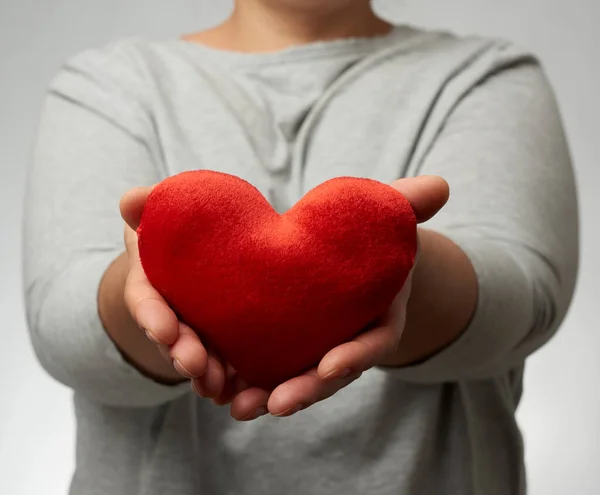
274, 293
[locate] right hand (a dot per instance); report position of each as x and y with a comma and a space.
176, 341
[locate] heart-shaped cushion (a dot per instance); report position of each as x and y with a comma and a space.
271, 293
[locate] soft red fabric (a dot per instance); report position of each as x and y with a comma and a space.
274, 293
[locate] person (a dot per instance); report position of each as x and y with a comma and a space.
287, 94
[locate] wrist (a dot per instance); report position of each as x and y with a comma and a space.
123, 330
442, 301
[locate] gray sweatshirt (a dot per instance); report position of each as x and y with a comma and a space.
478, 112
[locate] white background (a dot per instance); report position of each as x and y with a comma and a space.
560, 413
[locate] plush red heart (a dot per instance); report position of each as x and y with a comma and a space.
274, 293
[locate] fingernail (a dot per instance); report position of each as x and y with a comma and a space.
290, 411
151, 336
258, 412
164, 351
198, 389
181, 369
337, 374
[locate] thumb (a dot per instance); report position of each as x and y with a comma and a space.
427, 194
132, 205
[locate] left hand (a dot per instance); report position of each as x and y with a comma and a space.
345, 363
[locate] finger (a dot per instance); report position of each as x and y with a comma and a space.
426, 194
211, 384
131, 245
372, 347
250, 404
234, 385
144, 302
228, 387
365, 351
395, 318
132, 205
189, 355
303, 391
149, 309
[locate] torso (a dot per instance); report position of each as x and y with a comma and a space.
286, 124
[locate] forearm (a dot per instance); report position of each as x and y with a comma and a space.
442, 301
124, 331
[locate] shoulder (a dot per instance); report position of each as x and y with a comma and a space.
472, 89
466, 52
119, 79
113, 81
477, 67
116, 67
129, 67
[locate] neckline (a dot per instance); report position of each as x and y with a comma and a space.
298, 53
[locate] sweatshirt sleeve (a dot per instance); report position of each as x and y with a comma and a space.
94, 143
513, 211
